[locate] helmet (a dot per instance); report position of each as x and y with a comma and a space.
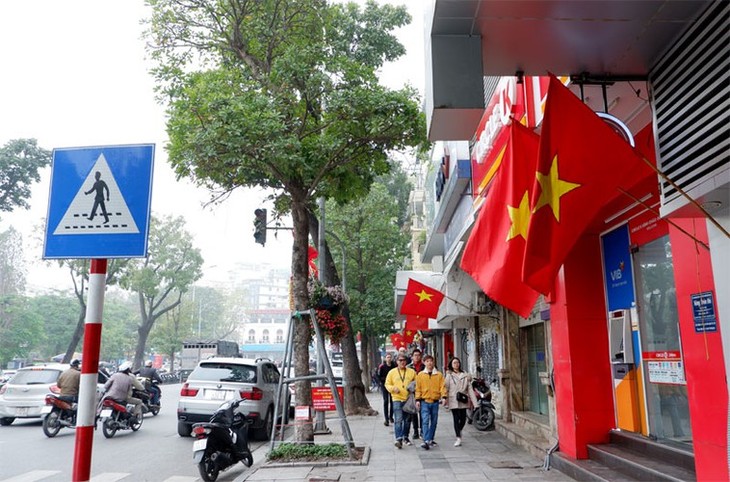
75, 362
148, 363
125, 367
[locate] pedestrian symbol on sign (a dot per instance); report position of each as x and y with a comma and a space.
99, 186
79, 219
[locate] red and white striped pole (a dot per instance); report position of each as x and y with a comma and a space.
89, 369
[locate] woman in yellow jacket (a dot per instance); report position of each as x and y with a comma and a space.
430, 391
397, 384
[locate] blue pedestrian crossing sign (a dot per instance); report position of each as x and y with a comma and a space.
99, 203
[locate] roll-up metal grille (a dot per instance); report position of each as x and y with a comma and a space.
691, 100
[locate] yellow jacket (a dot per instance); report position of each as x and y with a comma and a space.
430, 386
400, 379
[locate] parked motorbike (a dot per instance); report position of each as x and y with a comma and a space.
117, 416
483, 414
60, 412
222, 442
148, 395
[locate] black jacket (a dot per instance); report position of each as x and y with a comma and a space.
383, 370
151, 373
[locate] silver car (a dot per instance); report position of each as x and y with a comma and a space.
24, 396
219, 379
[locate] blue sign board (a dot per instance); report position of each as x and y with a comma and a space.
99, 202
619, 277
703, 312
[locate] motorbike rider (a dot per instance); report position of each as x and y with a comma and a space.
68, 382
119, 387
150, 372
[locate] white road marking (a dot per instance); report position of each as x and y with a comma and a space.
109, 476
32, 476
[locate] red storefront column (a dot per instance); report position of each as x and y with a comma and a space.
702, 352
583, 380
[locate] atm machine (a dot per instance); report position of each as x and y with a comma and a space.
622, 333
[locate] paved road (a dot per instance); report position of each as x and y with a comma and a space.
155, 453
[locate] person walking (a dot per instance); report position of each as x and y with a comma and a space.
99, 188
430, 392
418, 366
387, 365
397, 383
458, 387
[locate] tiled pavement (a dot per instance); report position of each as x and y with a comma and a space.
483, 456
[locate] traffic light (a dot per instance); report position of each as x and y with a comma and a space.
259, 223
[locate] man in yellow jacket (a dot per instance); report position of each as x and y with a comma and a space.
430, 391
397, 384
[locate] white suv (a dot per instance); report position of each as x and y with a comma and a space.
218, 379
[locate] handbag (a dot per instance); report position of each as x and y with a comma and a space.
410, 405
461, 397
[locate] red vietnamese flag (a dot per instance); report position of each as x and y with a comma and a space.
582, 163
415, 322
494, 252
312, 255
408, 335
397, 340
421, 300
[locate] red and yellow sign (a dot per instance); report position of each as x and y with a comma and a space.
322, 399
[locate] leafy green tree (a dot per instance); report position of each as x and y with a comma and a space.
59, 314
21, 328
119, 333
20, 163
376, 242
12, 263
173, 264
79, 271
283, 95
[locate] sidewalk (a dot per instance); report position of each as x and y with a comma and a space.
483, 456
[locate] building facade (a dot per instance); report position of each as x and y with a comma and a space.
631, 336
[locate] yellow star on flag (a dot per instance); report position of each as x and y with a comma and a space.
553, 188
520, 217
423, 295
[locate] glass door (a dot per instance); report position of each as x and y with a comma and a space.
661, 348
536, 364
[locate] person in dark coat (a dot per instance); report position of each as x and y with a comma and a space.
387, 365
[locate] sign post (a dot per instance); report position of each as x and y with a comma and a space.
98, 208
85, 419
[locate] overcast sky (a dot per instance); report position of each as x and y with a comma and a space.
74, 74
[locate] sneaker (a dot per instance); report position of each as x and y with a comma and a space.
398, 444
432, 443
408, 441
458, 442
415, 436
386, 423
391, 420
425, 446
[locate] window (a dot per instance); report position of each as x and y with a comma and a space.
224, 372
280, 336
252, 336
265, 337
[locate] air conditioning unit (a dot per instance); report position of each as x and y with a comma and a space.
480, 303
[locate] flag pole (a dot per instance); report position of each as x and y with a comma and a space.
668, 220
687, 196
458, 302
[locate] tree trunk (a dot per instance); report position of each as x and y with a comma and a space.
76, 337
356, 401
367, 370
79, 331
302, 333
